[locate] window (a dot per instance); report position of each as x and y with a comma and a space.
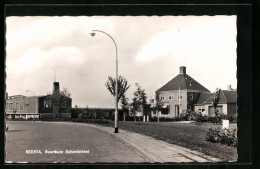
165, 110
189, 108
11, 106
7, 106
162, 98
17, 106
179, 96
21, 106
171, 97
47, 104
191, 96
201, 109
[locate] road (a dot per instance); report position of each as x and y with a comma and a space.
99, 143
29, 135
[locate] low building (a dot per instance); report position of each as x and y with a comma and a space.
96, 113
227, 104
22, 107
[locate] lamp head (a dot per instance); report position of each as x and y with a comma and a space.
92, 34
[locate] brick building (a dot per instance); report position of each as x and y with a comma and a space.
179, 94
227, 103
22, 107
183, 94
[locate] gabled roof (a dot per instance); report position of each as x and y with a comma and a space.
203, 98
183, 81
231, 96
226, 96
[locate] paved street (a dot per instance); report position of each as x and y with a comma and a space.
102, 143
29, 135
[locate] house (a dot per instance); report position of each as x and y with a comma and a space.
227, 104
179, 95
22, 107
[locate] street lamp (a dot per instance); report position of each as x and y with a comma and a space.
34, 104
116, 103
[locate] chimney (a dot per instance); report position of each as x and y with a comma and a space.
229, 87
182, 70
56, 87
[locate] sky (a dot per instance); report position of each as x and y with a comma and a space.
150, 52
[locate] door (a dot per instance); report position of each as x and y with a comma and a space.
211, 110
177, 110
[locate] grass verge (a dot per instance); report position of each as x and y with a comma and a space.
187, 135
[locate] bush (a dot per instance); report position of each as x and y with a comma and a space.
228, 137
199, 118
233, 118
184, 116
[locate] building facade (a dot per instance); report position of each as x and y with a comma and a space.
22, 107
38, 107
179, 95
227, 104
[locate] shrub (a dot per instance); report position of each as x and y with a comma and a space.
199, 118
233, 118
176, 118
184, 116
228, 137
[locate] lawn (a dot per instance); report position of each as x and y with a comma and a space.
188, 135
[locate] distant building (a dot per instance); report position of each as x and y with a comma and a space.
22, 107
96, 113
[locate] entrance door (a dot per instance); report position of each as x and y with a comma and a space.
177, 110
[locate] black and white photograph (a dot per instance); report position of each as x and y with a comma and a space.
121, 89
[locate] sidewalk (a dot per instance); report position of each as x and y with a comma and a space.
156, 150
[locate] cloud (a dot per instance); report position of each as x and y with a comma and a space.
35, 58
160, 45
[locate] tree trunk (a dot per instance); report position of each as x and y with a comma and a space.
124, 116
158, 120
59, 113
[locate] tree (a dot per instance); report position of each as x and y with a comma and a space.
124, 104
122, 86
158, 105
60, 99
139, 100
215, 100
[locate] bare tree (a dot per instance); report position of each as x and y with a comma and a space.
215, 101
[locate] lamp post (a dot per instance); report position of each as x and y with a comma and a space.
34, 104
116, 99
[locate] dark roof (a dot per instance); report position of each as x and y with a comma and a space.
226, 96
231, 96
183, 81
203, 97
